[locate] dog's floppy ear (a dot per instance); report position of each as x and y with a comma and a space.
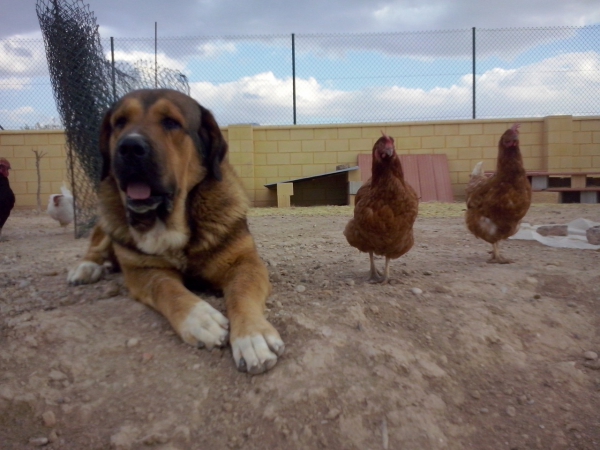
215, 146
105, 132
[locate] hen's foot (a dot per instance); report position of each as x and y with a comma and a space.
499, 260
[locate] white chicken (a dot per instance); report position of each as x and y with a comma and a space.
60, 207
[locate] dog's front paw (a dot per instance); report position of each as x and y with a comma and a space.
85, 272
205, 327
257, 351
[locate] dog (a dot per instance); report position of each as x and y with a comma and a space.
172, 212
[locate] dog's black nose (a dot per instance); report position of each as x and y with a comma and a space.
133, 147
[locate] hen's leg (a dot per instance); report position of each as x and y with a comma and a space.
496, 256
375, 275
386, 271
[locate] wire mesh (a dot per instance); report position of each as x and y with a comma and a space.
284, 79
335, 78
85, 84
536, 72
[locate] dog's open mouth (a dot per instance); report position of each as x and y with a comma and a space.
140, 199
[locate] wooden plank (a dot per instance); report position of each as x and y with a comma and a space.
365, 162
443, 184
427, 174
578, 181
427, 179
410, 167
589, 197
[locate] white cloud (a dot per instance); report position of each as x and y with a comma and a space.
14, 83
23, 57
566, 83
216, 48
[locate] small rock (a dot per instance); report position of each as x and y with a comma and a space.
350, 282
325, 283
428, 273
112, 290
132, 342
511, 411
531, 280
374, 309
593, 235
332, 414
56, 375
574, 427
300, 288
49, 419
484, 410
594, 365
272, 263
475, 394
275, 277
39, 441
553, 230
590, 355
53, 437
416, 291
155, 438
6, 393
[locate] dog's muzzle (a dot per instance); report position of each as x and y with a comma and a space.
139, 178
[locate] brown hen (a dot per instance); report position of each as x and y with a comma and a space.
385, 210
496, 205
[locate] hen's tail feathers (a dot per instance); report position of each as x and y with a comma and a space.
65, 191
477, 170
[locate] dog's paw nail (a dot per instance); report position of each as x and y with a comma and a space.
242, 365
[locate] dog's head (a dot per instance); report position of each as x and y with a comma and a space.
158, 144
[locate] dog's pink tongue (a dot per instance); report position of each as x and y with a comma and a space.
138, 191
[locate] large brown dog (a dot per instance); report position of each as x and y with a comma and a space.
171, 209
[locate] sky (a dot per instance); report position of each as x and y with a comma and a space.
356, 60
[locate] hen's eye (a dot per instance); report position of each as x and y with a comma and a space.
170, 124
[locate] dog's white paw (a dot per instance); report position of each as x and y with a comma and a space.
205, 327
257, 353
85, 272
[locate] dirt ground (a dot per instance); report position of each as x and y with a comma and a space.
453, 354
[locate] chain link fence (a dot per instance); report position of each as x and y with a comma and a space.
71, 77
85, 84
339, 78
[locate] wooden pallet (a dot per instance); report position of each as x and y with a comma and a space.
571, 187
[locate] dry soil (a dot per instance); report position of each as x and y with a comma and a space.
455, 353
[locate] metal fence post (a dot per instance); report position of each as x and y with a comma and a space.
474, 115
155, 58
294, 74
112, 61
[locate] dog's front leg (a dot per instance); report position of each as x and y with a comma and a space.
196, 321
90, 268
255, 343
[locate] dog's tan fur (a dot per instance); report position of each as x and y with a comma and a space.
204, 237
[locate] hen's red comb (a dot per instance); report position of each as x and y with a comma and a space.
387, 138
516, 127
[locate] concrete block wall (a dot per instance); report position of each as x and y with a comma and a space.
270, 154
18, 147
284, 153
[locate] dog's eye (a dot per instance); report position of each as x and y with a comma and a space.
170, 124
120, 122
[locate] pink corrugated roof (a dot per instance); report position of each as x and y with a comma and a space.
427, 174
